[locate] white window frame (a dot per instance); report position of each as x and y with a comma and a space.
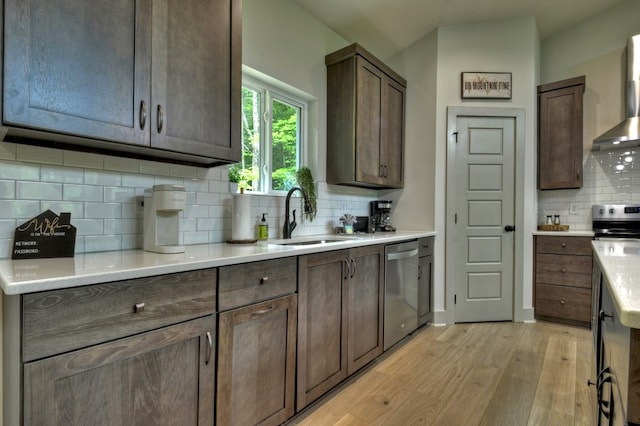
269, 91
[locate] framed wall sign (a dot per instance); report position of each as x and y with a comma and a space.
486, 85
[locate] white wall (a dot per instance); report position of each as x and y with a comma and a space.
596, 49
432, 67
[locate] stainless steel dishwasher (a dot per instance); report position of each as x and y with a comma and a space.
400, 291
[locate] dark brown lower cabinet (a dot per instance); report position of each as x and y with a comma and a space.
340, 317
563, 279
165, 376
256, 363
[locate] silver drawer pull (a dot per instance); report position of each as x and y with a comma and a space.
264, 280
563, 245
138, 308
563, 270
562, 302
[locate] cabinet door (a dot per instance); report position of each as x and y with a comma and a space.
197, 77
164, 376
256, 363
322, 322
370, 84
392, 143
80, 68
366, 308
560, 137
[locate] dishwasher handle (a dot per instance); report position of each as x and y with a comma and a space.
402, 254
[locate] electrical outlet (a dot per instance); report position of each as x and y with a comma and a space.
573, 208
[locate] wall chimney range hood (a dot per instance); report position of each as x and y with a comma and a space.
627, 133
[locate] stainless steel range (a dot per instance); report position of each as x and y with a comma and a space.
616, 221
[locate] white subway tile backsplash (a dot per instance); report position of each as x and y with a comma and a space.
137, 181
88, 226
36, 154
7, 189
609, 177
198, 237
152, 168
102, 210
123, 226
93, 243
119, 194
19, 171
76, 209
61, 174
83, 159
121, 164
19, 209
178, 170
207, 198
38, 191
104, 196
82, 192
7, 228
196, 211
100, 177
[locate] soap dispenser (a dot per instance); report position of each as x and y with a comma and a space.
263, 228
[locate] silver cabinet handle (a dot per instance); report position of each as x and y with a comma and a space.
138, 308
160, 118
264, 280
143, 114
353, 268
346, 269
207, 356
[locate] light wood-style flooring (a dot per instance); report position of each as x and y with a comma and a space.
471, 374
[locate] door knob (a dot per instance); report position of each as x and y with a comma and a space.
510, 228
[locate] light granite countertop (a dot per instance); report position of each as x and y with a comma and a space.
31, 275
620, 264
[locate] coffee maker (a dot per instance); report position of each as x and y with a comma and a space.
162, 207
380, 212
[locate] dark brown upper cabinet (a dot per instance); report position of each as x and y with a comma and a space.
151, 78
365, 120
560, 134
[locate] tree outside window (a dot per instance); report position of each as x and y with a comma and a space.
271, 139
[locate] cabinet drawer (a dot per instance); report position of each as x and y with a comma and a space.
253, 282
62, 320
558, 269
569, 303
564, 245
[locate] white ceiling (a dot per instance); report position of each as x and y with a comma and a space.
386, 27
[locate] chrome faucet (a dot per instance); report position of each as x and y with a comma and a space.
290, 226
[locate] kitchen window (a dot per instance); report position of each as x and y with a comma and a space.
273, 136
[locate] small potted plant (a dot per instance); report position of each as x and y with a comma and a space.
234, 178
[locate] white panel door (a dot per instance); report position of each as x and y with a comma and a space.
484, 213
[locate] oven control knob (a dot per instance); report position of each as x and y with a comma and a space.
611, 211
